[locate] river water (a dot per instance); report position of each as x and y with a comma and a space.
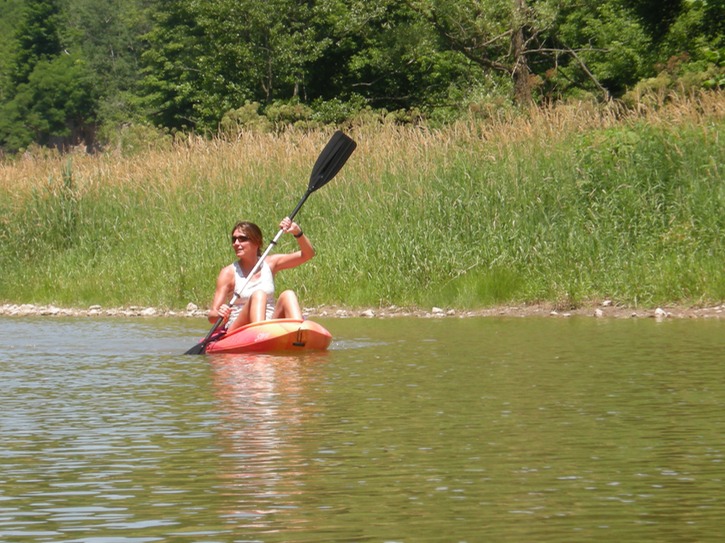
407, 430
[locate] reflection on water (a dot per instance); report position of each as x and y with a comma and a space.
406, 430
265, 404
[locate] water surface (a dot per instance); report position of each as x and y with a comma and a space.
406, 430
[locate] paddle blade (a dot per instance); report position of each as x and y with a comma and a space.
331, 160
199, 348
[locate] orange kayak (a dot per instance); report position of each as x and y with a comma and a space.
272, 336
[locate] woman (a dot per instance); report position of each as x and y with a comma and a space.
256, 302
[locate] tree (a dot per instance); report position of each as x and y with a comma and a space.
37, 38
549, 46
170, 86
107, 35
66, 65
384, 52
274, 46
207, 58
695, 26
497, 35
9, 20
55, 107
51, 100
608, 47
656, 16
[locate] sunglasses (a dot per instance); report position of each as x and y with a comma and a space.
240, 239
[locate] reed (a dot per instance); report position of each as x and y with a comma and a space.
564, 205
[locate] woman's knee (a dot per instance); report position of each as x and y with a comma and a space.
288, 296
287, 306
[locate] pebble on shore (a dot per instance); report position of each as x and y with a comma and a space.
604, 310
32, 310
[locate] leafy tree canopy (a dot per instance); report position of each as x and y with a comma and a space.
189, 64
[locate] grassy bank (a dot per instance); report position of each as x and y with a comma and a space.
566, 205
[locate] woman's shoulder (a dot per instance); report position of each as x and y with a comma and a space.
229, 270
273, 260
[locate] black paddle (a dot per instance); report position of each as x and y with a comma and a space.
331, 160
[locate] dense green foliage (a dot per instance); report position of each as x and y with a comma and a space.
76, 71
574, 206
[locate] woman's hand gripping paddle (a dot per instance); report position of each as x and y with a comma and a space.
331, 160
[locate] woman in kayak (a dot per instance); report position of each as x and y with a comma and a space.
256, 303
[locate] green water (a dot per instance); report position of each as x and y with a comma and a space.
502, 430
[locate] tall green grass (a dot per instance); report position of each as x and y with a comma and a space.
563, 206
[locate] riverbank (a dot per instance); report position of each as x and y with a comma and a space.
567, 205
606, 309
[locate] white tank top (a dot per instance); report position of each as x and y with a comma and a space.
265, 283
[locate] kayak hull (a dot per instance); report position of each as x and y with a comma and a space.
276, 335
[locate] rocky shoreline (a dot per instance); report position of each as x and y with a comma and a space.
606, 309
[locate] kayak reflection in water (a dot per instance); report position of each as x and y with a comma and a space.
256, 302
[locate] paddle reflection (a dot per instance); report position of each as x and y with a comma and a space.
267, 403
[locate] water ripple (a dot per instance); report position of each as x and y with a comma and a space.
510, 430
